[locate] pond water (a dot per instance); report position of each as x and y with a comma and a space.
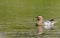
27, 34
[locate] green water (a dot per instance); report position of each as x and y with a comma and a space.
19, 15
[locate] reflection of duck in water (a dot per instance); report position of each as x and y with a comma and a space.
39, 24
49, 24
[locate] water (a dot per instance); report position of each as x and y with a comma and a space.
29, 34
